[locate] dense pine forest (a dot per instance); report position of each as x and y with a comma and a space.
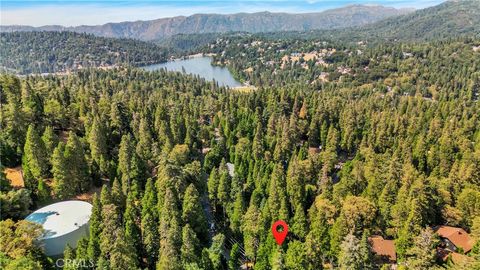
354, 141
60, 52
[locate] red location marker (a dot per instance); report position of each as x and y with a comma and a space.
280, 235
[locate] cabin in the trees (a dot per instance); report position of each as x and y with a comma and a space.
384, 250
454, 239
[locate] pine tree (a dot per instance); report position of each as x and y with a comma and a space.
110, 226
317, 242
125, 153
69, 258
97, 139
149, 224
50, 140
237, 214
132, 221
105, 196
61, 173
295, 184
277, 199
123, 255
299, 222
295, 258
81, 252
34, 162
14, 124
144, 145
212, 185
206, 263
278, 259
170, 233
216, 251
193, 213
257, 147
224, 185
422, 255
252, 230
77, 164
95, 229
350, 257
365, 252
117, 195
150, 239
43, 191
234, 261
190, 246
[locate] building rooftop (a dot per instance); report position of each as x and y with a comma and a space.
383, 248
458, 236
61, 218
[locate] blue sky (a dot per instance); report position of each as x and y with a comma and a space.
87, 12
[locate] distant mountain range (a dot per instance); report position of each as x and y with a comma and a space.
349, 16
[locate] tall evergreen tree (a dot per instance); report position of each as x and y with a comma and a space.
193, 213
61, 173
34, 162
95, 228
77, 164
277, 199
97, 139
50, 140
132, 220
170, 233
190, 246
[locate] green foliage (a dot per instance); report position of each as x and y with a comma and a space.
18, 249
34, 161
15, 203
234, 261
66, 51
296, 257
390, 147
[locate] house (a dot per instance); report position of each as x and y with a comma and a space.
384, 250
454, 239
456, 258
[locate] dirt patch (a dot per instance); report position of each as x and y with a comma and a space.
15, 176
88, 195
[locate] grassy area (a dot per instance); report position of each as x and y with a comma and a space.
245, 89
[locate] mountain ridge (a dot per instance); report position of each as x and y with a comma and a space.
158, 29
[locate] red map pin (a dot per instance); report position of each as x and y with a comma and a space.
280, 236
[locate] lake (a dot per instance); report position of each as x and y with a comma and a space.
199, 66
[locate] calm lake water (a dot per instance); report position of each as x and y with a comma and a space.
200, 66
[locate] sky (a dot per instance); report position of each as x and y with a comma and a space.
87, 12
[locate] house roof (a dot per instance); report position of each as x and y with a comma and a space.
383, 248
455, 257
458, 236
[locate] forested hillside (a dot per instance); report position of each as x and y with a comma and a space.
51, 52
449, 19
387, 143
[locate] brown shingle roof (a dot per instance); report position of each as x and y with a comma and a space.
383, 248
458, 236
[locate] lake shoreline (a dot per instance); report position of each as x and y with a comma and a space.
200, 64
